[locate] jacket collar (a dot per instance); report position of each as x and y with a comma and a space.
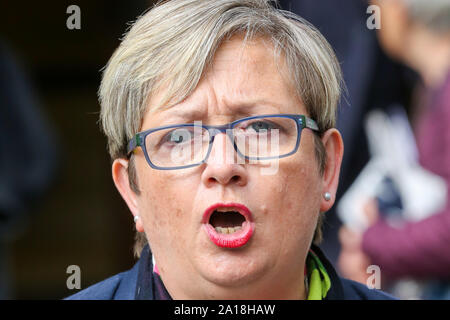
144, 285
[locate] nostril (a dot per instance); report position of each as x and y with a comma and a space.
235, 178
212, 180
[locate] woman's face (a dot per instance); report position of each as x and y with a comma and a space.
284, 205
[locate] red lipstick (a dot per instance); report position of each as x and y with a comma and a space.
232, 240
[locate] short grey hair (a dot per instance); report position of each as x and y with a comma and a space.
170, 47
435, 14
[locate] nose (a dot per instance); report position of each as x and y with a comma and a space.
221, 166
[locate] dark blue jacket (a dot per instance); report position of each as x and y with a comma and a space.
124, 286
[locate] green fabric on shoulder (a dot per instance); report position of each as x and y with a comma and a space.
319, 281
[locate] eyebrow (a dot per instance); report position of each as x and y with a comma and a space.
241, 109
190, 114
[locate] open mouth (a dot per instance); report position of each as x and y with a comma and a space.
228, 225
226, 221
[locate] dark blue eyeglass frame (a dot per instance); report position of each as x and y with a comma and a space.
301, 121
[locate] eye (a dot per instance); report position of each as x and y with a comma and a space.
177, 136
259, 126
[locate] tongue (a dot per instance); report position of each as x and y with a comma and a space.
226, 219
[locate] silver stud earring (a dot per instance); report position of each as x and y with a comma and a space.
136, 218
327, 196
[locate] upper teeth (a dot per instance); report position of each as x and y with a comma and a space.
225, 210
228, 230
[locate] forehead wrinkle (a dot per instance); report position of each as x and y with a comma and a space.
235, 102
232, 96
257, 57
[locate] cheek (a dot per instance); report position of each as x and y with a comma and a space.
158, 206
296, 201
299, 183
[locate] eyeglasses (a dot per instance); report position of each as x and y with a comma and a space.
263, 137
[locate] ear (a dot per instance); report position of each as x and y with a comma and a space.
334, 148
120, 177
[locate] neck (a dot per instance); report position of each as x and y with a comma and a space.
272, 286
429, 55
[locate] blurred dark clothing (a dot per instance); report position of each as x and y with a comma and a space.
27, 155
420, 249
372, 79
141, 283
27, 145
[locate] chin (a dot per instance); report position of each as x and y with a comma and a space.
234, 273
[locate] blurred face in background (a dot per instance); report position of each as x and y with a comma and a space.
394, 26
420, 40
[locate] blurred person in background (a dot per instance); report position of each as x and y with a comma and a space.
417, 33
373, 81
28, 159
